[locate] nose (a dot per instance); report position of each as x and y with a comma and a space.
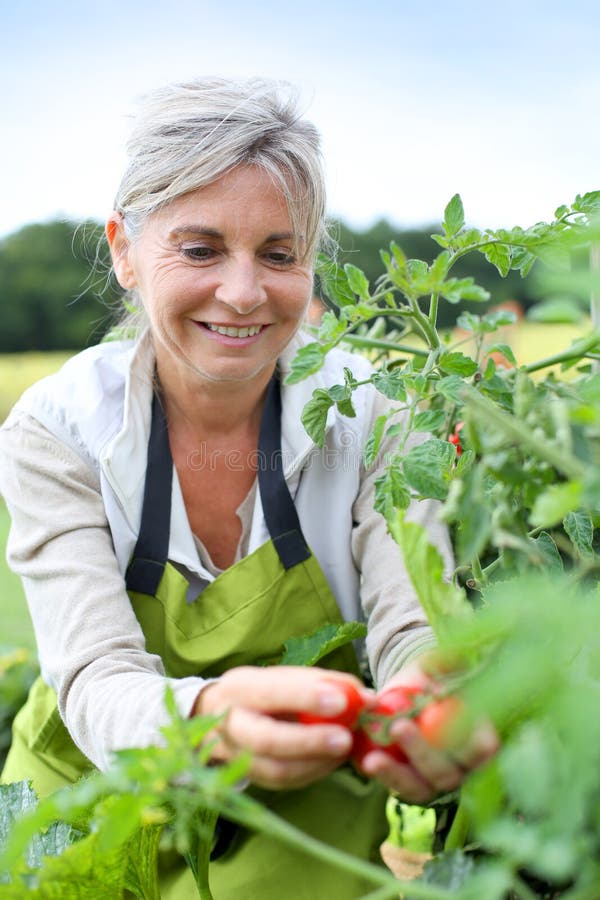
240, 286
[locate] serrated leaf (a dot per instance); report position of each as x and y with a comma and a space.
314, 415
357, 280
556, 502
587, 203
546, 547
390, 383
334, 282
456, 363
450, 387
308, 650
499, 255
331, 327
429, 420
308, 360
346, 408
391, 490
454, 216
374, 440
456, 289
580, 529
441, 601
428, 468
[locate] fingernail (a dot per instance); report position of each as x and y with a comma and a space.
339, 743
331, 702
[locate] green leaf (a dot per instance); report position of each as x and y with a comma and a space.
314, 415
390, 383
550, 557
454, 216
391, 490
308, 360
457, 364
374, 440
346, 407
428, 468
358, 281
556, 502
499, 255
429, 420
441, 601
456, 289
334, 282
587, 203
450, 387
331, 327
580, 529
505, 350
308, 650
19, 798
141, 874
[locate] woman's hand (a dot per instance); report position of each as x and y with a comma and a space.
429, 770
259, 708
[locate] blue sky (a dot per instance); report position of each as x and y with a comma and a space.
415, 101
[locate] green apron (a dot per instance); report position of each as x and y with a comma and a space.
241, 618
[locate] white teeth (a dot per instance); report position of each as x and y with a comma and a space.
235, 332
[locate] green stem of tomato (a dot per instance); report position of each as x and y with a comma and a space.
255, 816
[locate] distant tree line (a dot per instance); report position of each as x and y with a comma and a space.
56, 292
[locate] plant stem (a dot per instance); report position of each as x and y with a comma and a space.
433, 309
579, 351
379, 344
253, 815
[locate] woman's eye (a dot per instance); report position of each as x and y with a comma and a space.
198, 253
281, 257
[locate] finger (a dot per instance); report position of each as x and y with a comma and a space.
401, 779
265, 736
481, 746
441, 771
281, 689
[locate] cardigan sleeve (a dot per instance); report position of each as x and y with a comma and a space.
397, 626
91, 648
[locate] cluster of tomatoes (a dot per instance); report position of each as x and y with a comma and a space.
370, 722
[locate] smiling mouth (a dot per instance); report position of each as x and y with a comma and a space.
230, 331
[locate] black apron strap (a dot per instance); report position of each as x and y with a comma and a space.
152, 547
278, 507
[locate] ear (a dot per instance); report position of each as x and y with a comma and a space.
120, 251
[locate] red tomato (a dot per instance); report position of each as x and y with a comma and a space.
438, 720
348, 717
373, 733
454, 438
363, 744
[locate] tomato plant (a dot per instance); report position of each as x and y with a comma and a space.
373, 731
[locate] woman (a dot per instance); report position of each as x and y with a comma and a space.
172, 521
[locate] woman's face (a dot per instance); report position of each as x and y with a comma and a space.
220, 278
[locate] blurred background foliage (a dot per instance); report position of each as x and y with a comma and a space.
57, 294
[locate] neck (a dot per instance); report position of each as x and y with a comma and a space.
212, 407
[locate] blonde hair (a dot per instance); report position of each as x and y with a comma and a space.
187, 135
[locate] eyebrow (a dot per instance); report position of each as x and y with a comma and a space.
206, 231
